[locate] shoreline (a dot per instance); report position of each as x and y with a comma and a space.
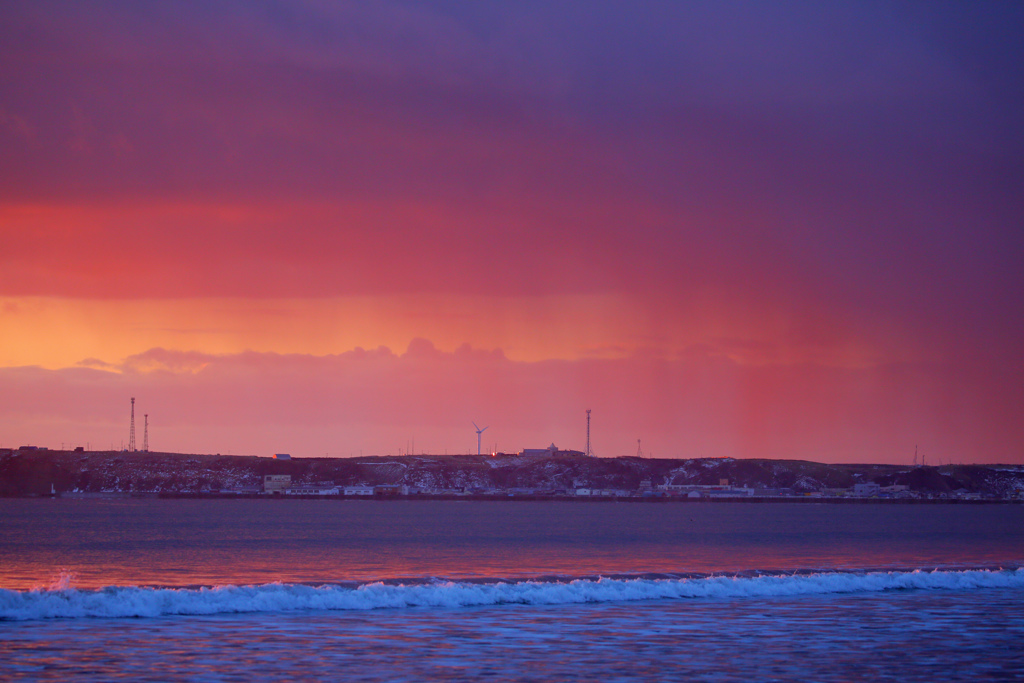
502, 477
802, 500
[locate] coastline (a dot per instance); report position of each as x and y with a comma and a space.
110, 474
117, 495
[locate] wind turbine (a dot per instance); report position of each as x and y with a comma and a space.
478, 433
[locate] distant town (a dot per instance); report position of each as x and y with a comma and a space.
530, 474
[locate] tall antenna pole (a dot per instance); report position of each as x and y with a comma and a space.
589, 452
639, 451
131, 431
145, 434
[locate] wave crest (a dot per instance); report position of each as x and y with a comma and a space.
60, 601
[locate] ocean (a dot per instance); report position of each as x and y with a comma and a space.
147, 589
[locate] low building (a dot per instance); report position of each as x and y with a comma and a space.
521, 491
774, 493
277, 483
314, 490
358, 490
282, 456
866, 489
743, 492
551, 451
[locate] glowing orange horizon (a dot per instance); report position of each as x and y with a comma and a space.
54, 332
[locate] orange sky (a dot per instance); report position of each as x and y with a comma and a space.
352, 229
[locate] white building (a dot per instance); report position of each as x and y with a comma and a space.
314, 490
277, 483
358, 490
866, 489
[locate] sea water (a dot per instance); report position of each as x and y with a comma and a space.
412, 590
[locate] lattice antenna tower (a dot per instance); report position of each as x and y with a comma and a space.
145, 433
639, 451
589, 453
131, 430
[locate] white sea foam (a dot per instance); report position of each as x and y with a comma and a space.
131, 601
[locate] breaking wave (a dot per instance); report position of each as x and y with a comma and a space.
62, 601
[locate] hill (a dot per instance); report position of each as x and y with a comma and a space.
41, 472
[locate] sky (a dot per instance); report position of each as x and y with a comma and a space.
730, 229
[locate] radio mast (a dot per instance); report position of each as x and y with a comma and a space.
145, 433
131, 430
589, 453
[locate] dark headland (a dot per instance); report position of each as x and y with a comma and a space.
41, 472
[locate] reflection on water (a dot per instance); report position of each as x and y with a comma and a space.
208, 542
901, 634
